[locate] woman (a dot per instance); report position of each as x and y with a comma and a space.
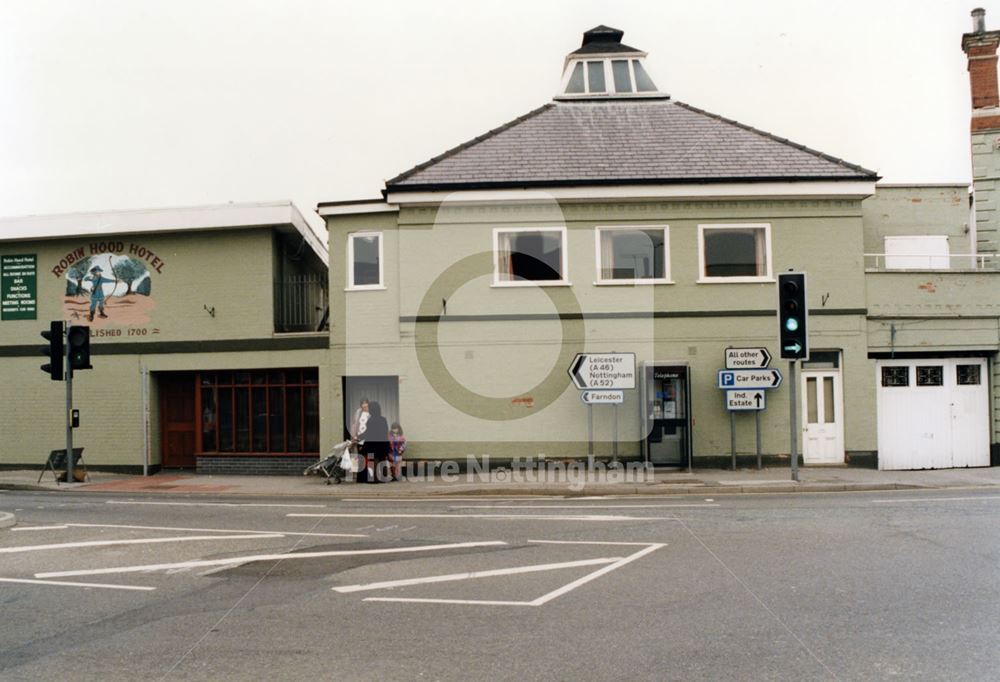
376, 445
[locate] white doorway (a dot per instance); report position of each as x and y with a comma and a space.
822, 414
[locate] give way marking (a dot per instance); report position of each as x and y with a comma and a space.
608, 564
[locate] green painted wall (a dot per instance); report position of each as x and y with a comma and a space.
924, 210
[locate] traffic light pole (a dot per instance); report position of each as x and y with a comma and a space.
793, 418
70, 478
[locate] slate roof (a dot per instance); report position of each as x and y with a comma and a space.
603, 39
622, 142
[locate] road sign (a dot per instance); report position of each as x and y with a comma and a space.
745, 400
749, 378
747, 358
603, 371
602, 397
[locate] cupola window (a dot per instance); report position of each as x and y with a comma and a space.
606, 68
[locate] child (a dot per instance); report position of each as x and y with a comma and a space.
397, 446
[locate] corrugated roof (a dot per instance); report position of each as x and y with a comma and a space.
622, 142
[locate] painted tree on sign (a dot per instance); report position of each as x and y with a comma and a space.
129, 270
75, 275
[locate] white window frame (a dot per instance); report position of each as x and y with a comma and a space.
601, 281
768, 276
351, 286
563, 259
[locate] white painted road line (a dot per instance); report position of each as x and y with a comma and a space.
68, 584
589, 542
263, 557
903, 500
215, 504
586, 506
216, 530
388, 584
23, 528
142, 541
448, 498
545, 598
494, 517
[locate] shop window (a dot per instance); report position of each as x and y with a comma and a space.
967, 375
259, 412
896, 376
734, 253
529, 255
632, 254
364, 260
930, 375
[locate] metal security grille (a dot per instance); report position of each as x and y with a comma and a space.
300, 304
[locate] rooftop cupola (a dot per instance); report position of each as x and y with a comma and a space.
604, 68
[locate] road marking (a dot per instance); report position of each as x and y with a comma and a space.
22, 528
503, 517
263, 557
215, 504
473, 574
939, 499
216, 530
142, 541
69, 584
448, 498
589, 542
584, 506
545, 598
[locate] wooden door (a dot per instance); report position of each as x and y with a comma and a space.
177, 416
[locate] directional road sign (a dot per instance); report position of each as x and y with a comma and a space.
602, 397
749, 378
745, 400
603, 370
747, 358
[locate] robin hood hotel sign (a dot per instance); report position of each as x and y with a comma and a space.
110, 284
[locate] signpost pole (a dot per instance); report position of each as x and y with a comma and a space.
590, 437
614, 452
70, 478
756, 420
793, 418
732, 436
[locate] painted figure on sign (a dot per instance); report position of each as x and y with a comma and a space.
97, 283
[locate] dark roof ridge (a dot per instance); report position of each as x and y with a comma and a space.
782, 140
465, 145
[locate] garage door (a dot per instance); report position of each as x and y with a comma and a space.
932, 413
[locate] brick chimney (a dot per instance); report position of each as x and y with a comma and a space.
981, 48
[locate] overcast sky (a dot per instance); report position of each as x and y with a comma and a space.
115, 104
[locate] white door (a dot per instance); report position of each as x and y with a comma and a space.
822, 417
932, 413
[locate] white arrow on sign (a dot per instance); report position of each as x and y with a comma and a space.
745, 400
749, 378
603, 370
602, 397
747, 358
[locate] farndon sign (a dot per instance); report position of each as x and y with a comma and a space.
603, 371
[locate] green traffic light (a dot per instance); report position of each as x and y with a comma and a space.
792, 324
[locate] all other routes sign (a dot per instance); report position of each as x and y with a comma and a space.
746, 379
747, 358
603, 371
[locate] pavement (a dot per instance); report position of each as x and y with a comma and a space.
565, 482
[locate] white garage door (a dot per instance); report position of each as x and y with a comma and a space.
932, 414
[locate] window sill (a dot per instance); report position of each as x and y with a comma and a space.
631, 282
736, 280
531, 283
370, 287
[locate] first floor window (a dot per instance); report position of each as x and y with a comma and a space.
529, 255
262, 411
735, 251
632, 254
895, 376
364, 254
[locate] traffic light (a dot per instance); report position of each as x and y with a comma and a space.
55, 350
793, 316
78, 340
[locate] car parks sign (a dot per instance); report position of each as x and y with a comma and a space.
749, 378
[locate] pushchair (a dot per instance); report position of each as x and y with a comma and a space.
336, 466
